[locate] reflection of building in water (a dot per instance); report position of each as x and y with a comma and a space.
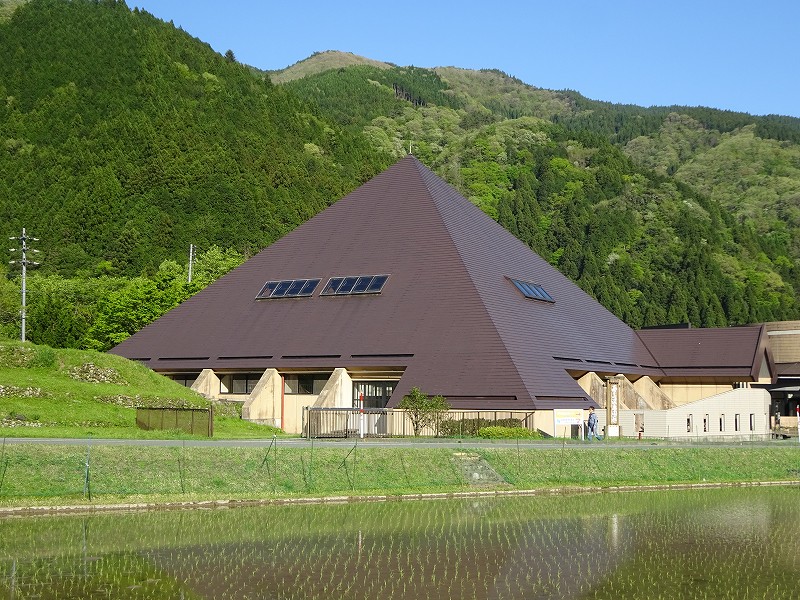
510, 548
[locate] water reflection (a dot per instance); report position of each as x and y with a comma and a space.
713, 543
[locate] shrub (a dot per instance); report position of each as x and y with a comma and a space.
424, 411
498, 432
471, 427
468, 427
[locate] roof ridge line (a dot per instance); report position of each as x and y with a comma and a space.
423, 171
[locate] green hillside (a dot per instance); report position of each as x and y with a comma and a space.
45, 392
654, 245
45, 388
123, 140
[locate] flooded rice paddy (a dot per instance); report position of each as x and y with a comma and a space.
723, 543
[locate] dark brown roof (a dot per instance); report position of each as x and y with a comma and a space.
449, 313
723, 352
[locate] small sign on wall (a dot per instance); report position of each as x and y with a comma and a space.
564, 419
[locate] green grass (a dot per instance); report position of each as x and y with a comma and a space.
46, 392
55, 474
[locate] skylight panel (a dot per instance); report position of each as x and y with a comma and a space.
354, 284
283, 287
362, 284
288, 288
532, 291
309, 287
377, 283
332, 286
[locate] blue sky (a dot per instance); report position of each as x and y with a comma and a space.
732, 54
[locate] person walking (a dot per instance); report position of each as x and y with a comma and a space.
591, 426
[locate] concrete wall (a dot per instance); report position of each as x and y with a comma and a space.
653, 396
594, 387
701, 419
684, 393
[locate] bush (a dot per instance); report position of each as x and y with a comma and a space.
472, 427
424, 411
499, 432
468, 427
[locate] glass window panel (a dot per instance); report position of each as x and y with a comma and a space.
309, 287
295, 287
239, 384
332, 286
531, 290
362, 284
377, 283
521, 287
290, 384
305, 384
347, 285
319, 383
267, 290
547, 296
537, 292
281, 289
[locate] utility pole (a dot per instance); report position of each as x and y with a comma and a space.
191, 260
24, 249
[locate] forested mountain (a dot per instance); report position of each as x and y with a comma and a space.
660, 221
124, 139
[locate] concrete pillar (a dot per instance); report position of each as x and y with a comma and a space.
263, 405
207, 384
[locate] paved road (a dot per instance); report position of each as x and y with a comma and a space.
389, 443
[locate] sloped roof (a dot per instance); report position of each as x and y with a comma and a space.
725, 352
449, 313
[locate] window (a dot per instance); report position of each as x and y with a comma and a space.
376, 393
532, 291
737, 424
706, 423
186, 379
305, 383
288, 288
752, 422
722, 423
689, 424
238, 383
354, 284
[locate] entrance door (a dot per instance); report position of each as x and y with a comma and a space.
376, 393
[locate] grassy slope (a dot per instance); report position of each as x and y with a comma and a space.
51, 393
154, 475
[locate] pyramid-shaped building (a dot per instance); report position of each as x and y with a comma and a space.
401, 281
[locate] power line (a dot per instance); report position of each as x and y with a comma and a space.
24, 249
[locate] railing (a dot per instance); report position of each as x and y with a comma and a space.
389, 422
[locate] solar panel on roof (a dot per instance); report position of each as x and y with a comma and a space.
288, 288
332, 286
377, 283
362, 284
296, 286
354, 284
347, 285
309, 287
283, 287
532, 290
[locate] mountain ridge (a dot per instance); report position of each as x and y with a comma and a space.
123, 140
